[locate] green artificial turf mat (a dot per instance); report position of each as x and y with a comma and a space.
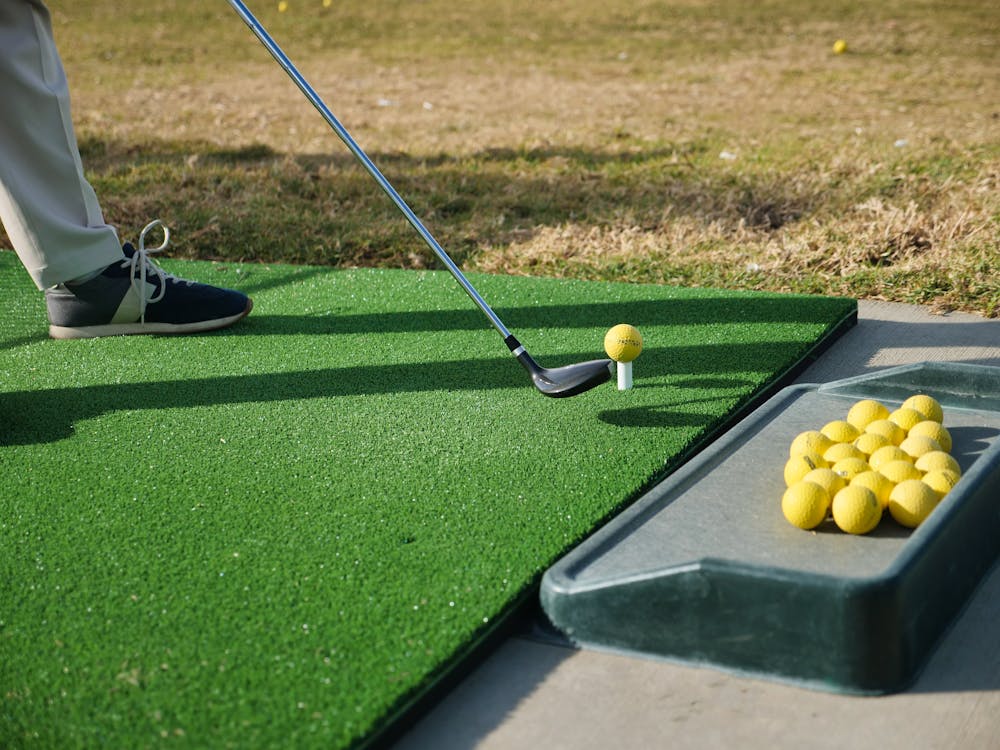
277, 535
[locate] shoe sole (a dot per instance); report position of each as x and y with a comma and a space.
139, 329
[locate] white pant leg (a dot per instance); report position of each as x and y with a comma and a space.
48, 208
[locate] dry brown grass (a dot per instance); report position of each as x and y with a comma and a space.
698, 142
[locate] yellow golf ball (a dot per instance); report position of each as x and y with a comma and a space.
899, 471
839, 451
805, 505
941, 480
799, 465
856, 510
810, 441
911, 501
917, 445
927, 405
864, 412
840, 431
839, 47
849, 468
828, 479
623, 342
886, 454
869, 442
906, 417
938, 460
935, 431
877, 484
889, 430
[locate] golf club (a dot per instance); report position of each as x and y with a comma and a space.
556, 382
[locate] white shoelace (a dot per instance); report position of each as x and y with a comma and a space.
141, 260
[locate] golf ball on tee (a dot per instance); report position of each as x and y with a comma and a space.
623, 342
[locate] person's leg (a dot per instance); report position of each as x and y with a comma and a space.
93, 285
48, 208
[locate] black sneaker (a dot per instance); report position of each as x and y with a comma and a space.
136, 296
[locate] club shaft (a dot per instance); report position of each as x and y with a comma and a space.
261, 33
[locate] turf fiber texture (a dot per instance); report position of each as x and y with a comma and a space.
277, 535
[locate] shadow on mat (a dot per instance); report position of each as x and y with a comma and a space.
47, 415
42, 416
640, 313
673, 414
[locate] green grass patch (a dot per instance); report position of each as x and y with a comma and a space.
276, 535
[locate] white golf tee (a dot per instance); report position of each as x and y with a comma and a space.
624, 376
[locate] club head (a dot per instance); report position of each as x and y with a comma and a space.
559, 382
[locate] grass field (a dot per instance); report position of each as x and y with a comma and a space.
715, 143
279, 535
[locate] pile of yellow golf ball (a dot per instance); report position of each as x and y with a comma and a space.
873, 460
